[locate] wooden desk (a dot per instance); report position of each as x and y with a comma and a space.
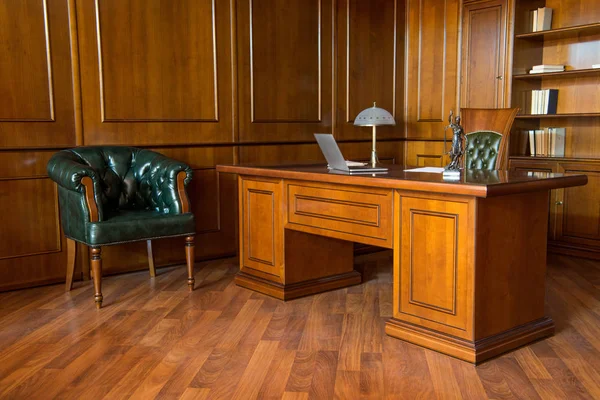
469, 256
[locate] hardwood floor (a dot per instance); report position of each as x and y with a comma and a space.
153, 339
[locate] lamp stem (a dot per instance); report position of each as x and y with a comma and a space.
374, 159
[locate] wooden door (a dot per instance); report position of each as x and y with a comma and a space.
432, 66
578, 217
285, 69
484, 40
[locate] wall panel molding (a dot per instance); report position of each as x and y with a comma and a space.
432, 66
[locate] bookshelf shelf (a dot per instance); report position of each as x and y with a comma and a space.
570, 115
563, 74
561, 33
547, 158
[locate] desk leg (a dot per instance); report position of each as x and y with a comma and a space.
284, 263
469, 273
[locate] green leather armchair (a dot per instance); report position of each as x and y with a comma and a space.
111, 195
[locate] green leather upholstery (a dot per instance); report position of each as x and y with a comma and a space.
135, 191
482, 150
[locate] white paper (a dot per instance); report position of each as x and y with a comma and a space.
435, 170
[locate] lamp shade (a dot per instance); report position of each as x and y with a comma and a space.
374, 116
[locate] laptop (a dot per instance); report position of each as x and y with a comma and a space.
336, 160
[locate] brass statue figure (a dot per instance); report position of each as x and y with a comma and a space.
458, 138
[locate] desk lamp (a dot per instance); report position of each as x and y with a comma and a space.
374, 116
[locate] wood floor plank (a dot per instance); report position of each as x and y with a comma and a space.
371, 376
255, 373
154, 339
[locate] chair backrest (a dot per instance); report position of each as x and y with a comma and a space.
125, 174
487, 131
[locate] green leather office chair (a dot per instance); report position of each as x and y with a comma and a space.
487, 134
111, 195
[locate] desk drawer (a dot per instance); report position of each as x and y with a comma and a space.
353, 213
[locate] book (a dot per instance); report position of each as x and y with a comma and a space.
550, 101
542, 102
540, 69
544, 71
544, 19
534, 22
534, 101
532, 142
548, 66
538, 142
558, 142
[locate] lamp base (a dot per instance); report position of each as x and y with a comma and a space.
374, 159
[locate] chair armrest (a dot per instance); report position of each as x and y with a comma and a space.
168, 179
67, 171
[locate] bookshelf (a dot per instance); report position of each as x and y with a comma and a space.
570, 115
565, 74
573, 41
562, 33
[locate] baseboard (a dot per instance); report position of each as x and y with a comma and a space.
473, 352
301, 289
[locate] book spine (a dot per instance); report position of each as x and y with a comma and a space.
552, 95
535, 19
538, 142
559, 142
532, 143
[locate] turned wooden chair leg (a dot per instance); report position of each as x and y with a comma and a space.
151, 259
71, 254
189, 257
96, 262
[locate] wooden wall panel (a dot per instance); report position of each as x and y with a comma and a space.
370, 65
36, 91
573, 12
432, 65
156, 72
426, 154
31, 249
186, 89
22, 201
389, 152
285, 69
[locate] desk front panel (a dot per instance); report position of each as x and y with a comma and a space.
433, 276
353, 213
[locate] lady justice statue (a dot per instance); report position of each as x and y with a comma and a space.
458, 138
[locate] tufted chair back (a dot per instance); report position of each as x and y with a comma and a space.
125, 178
482, 150
487, 132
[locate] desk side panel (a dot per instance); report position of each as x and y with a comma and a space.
510, 261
